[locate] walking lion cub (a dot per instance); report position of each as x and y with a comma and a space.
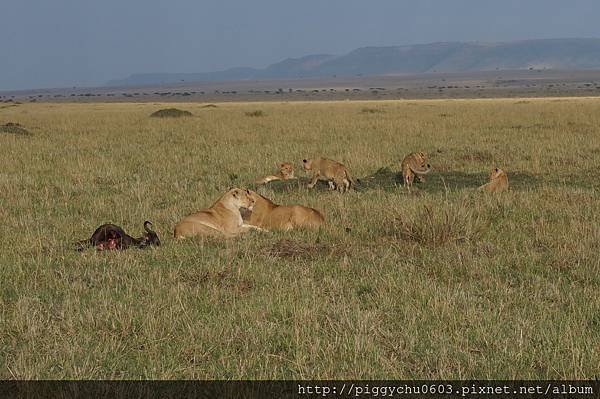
414, 164
334, 172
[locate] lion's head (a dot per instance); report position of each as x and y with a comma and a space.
287, 170
496, 173
240, 198
307, 164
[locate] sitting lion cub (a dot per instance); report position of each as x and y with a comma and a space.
222, 219
414, 164
334, 172
268, 215
286, 171
498, 181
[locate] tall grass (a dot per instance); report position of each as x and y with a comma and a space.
436, 225
445, 282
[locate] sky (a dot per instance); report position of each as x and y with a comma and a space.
66, 43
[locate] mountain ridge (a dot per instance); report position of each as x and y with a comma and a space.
565, 53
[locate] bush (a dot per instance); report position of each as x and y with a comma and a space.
440, 225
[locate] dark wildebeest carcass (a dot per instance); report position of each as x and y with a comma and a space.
111, 236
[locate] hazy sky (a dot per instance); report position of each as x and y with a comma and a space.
62, 43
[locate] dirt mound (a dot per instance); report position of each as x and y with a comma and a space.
371, 110
209, 106
14, 128
170, 113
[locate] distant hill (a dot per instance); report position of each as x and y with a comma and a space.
418, 58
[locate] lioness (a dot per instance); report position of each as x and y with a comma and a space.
334, 172
268, 215
222, 219
414, 164
286, 171
498, 181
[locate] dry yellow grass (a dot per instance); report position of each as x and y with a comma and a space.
446, 282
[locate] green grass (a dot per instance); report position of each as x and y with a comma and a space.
445, 282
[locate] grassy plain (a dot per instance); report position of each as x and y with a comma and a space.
444, 283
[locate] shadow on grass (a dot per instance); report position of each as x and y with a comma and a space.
387, 179
383, 179
586, 179
286, 186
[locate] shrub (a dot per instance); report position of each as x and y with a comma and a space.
439, 226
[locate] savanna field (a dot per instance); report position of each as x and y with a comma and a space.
446, 282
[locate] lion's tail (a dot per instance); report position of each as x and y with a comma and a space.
351, 181
421, 171
266, 179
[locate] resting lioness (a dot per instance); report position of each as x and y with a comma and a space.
286, 171
414, 164
268, 215
222, 219
498, 181
334, 172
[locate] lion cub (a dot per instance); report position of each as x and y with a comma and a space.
498, 181
326, 169
286, 171
414, 164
